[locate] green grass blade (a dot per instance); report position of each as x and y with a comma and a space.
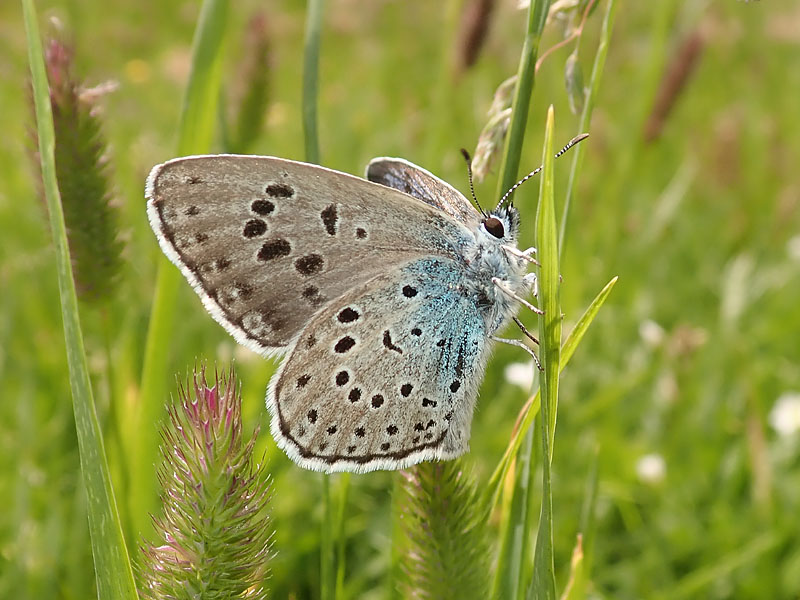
328, 573
574, 338
341, 539
311, 79
195, 136
549, 288
537, 15
543, 584
513, 554
704, 578
511, 565
581, 563
113, 572
327, 582
574, 589
586, 117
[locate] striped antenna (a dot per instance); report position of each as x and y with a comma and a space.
467, 158
537, 170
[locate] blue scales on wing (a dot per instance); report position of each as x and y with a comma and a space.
410, 344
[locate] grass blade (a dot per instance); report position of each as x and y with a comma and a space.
543, 584
328, 573
531, 408
341, 539
581, 563
195, 136
704, 578
514, 554
586, 117
537, 15
311, 79
510, 566
113, 572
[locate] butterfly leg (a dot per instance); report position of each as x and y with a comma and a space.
519, 344
503, 287
526, 254
532, 282
525, 332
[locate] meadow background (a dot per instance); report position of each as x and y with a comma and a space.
685, 393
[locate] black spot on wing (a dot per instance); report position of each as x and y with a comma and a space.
279, 190
330, 218
254, 228
262, 207
459, 368
312, 295
347, 315
310, 264
387, 342
409, 291
344, 344
275, 248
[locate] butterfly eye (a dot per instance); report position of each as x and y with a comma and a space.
494, 226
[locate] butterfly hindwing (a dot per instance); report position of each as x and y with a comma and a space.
386, 377
268, 242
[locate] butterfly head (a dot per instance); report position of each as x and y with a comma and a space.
501, 225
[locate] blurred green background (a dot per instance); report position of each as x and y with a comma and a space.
687, 385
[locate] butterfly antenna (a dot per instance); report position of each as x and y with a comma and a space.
537, 170
467, 158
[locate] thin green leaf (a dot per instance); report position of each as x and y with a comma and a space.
587, 524
327, 559
514, 555
341, 539
328, 573
113, 571
510, 568
586, 117
537, 16
543, 584
531, 409
195, 136
574, 589
255, 75
704, 578
581, 563
311, 79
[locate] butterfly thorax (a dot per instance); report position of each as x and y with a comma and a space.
487, 260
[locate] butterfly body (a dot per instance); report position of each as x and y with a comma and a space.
382, 292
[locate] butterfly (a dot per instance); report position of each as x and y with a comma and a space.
385, 295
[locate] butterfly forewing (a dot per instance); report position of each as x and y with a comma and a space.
415, 181
268, 242
386, 377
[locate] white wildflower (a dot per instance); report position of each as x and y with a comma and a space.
651, 468
520, 374
785, 414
